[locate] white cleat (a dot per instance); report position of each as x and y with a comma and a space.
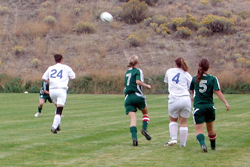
37, 114
171, 143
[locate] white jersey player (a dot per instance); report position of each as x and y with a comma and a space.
58, 77
179, 103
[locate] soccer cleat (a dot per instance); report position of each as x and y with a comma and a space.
53, 130
58, 128
171, 143
135, 142
204, 148
37, 114
213, 148
145, 133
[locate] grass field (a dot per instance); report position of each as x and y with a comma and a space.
95, 132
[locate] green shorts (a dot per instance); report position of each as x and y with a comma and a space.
45, 97
204, 114
133, 101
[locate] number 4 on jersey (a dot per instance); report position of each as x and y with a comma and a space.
176, 78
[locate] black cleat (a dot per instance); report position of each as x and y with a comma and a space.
213, 148
53, 130
204, 148
58, 128
135, 142
145, 133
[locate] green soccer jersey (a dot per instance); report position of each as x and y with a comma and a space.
131, 76
203, 92
45, 86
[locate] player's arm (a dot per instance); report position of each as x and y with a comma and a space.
138, 82
222, 98
192, 95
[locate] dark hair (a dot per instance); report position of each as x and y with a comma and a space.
58, 58
203, 66
133, 61
180, 62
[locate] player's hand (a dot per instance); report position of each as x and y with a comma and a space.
148, 86
227, 106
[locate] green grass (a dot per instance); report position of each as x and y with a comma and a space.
95, 132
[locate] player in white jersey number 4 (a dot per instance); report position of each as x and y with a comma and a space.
58, 77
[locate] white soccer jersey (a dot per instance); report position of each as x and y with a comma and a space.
58, 76
178, 82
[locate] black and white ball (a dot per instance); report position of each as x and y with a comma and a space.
106, 17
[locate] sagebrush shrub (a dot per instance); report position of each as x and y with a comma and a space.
36, 63
203, 31
175, 22
219, 24
4, 10
150, 2
85, 27
133, 41
50, 20
19, 50
183, 32
244, 14
134, 11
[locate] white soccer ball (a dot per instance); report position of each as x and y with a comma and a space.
106, 17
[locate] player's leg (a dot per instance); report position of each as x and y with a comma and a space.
131, 112
211, 135
133, 128
199, 119
145, 122
184, 115
173, 112
183, 131
40, 107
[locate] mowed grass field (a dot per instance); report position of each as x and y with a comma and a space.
95, 132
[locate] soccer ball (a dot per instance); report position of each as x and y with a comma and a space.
106, 17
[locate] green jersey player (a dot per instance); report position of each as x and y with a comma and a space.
202, 87
43, 97
134, 98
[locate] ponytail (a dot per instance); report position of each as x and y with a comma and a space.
180, 62
203, 66
133, 61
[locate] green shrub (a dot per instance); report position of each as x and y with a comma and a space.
183, 32
219, 24
36, 63
190, 22
204, 4
133, 41
162, 29
14, 86
244, 14
175, 22
134, 11
158, 19
19, 50
85, 27
50, 20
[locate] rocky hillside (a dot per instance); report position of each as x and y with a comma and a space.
28, 40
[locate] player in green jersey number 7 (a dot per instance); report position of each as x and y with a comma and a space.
134, 98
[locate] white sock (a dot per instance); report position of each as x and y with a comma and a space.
173, 130
57, 121
183, 136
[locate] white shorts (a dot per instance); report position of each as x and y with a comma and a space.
179, 106
58, 96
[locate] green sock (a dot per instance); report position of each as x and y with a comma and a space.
201, 138
145, 125
39, 110
133, 131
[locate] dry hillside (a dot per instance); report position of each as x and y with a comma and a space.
28, 42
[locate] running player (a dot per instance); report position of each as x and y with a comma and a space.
134, 98
58, 77
202, 87
179, 103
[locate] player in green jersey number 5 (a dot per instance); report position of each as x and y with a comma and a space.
202, 87
134, 98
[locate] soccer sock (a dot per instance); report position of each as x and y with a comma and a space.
212, 139
133, 131
57, 121
183, 136
145, 121
40, 110
173, 130
201, 139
